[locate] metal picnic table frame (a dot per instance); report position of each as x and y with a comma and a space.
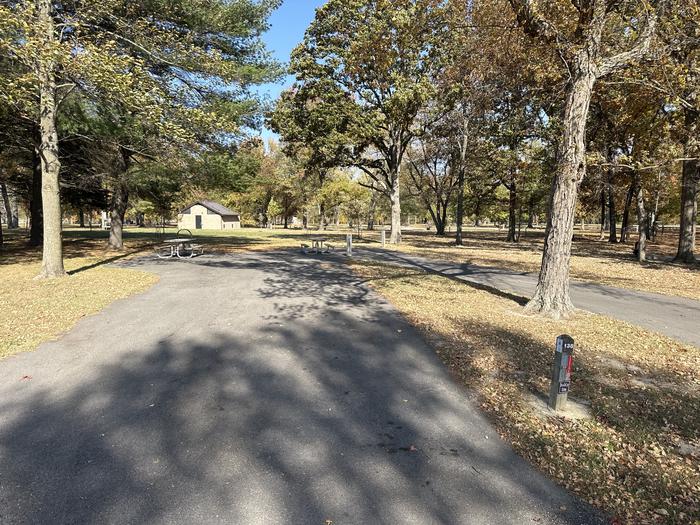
178, 246
317, 245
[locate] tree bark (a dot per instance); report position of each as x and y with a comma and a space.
120, 201
117, 210
15, 210
689, 192
689, 211
531, 212
624, 232
585, 67
651, 221
459, 240
641, 249
52, 260
512, 211
552, 293
395, 198
442, 221
36, 232
612, 214
11, 219
603, 213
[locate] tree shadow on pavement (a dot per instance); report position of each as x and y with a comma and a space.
289, 421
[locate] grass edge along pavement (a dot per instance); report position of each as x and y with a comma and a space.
637, 458
37, 311
592, 261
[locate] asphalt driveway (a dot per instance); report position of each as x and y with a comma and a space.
259, 388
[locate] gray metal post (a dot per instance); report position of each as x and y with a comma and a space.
383, 237
561, 373
348, 240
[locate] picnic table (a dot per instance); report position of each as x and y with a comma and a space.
318, 245
181, 247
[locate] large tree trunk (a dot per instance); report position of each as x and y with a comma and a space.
641, 249
612, 213
36, 232
689, 211
263, 217
14, 203
624, 234
52, 261
117, 210
441, 223
11, 219
653, 216
120, 201
395, 198
552, 294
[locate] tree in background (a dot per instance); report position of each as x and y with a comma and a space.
680, 80
377, 60
180, 65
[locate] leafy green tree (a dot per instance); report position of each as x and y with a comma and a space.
365, 69
183, 66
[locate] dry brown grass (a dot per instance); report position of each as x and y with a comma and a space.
35, 311
643, 390
592, 260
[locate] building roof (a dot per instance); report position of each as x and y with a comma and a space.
215, 207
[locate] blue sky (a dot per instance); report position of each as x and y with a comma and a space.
288, 24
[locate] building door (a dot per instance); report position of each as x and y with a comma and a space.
198, 222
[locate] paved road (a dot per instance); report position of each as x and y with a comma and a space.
259, 388
675, 317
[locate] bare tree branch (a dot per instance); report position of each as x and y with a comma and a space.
641, 48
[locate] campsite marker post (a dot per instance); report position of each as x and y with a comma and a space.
561, 373
348, 241
383, 237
